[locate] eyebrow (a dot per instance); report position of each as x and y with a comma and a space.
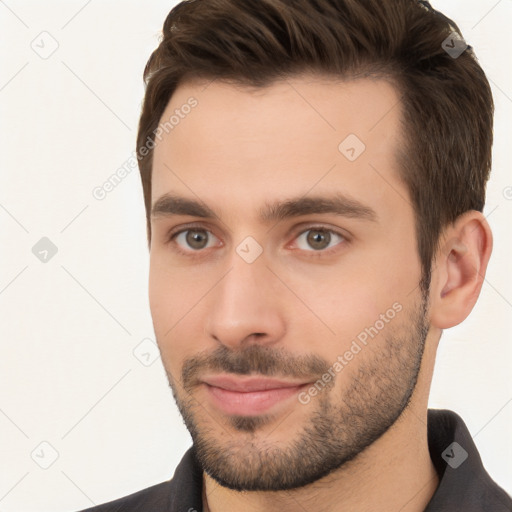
339, 204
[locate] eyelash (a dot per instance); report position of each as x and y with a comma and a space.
200, 253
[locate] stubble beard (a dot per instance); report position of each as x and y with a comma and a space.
336, 431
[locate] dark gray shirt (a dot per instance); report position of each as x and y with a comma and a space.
464, 484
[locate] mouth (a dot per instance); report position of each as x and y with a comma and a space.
249, 396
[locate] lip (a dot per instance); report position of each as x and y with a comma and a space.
249, 396
249, 384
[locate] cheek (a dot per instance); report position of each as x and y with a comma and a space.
352, 303
160, 294
168, 290
350, 294
174, 299
163, 295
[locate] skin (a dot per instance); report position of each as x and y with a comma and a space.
238, 149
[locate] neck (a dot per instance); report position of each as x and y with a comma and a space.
394, 473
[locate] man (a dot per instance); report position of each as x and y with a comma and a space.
314, 178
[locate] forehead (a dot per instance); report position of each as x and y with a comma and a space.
242, 145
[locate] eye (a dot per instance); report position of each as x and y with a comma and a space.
194, 239
319, 239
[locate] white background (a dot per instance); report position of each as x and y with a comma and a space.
68, 374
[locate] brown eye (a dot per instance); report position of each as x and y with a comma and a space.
192, 239
318, 239
196, 238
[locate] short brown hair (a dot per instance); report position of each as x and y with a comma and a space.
447, 105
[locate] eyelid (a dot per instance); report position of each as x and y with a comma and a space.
296, 231
306, 226
300, 230
175, 232
186, 227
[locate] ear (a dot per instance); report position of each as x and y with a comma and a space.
459, 269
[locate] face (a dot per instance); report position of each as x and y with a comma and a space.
284, 275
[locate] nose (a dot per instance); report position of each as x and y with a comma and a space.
245, 307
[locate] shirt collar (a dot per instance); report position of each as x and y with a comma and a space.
464, 484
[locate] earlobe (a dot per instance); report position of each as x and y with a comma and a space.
460, 266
